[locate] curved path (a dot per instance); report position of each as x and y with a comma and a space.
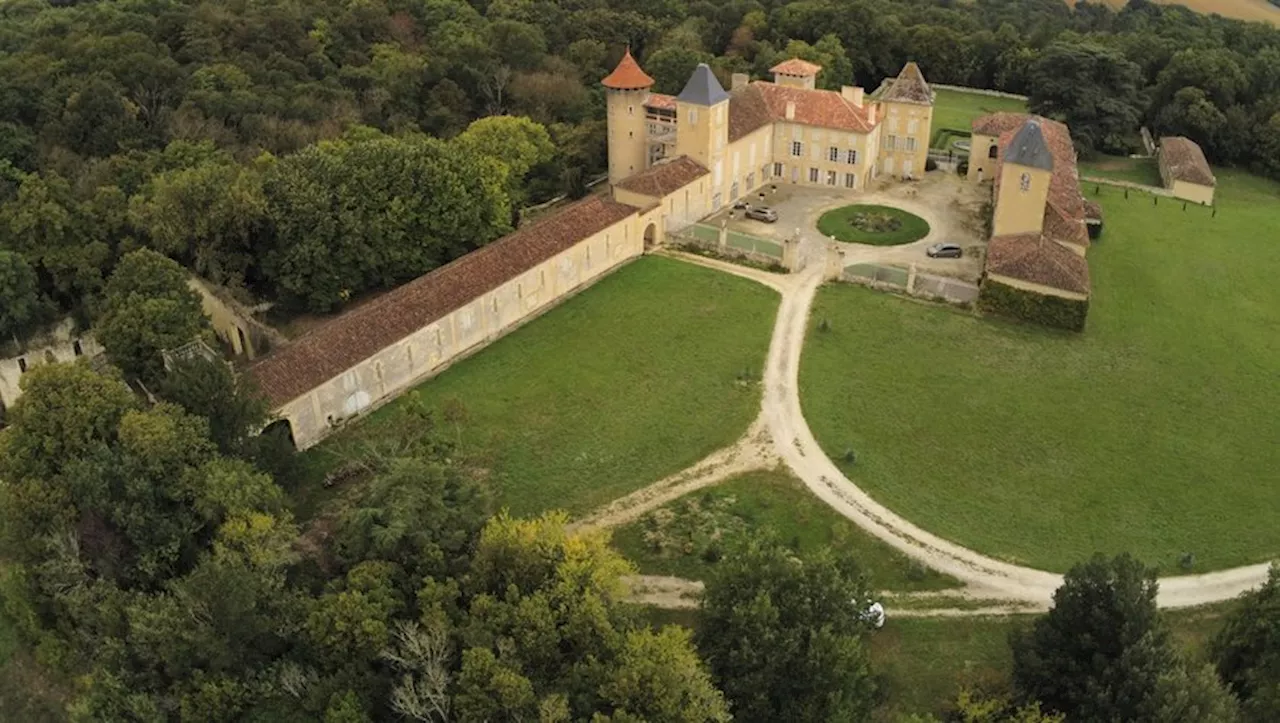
796, 446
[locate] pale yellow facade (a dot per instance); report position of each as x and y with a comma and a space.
1023, 194
59, 344
431, 349
904, 139
815, 156
983, 152
1193, 192
624, 111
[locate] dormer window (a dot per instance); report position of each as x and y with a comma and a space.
1024, 182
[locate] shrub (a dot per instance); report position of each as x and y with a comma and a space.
930, 165
1051, 311
824, 325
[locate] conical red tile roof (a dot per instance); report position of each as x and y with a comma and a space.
627, 76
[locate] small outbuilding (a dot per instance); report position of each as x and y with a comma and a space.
1185, 171
1093, 218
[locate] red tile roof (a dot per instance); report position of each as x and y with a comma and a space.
909, 87
796, 66
996, 124
1037, 260
627, 76
664, 178
1183, 160
761, 102
661, 100
349, 338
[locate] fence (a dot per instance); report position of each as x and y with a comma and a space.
978, 91
898, 279
732, 245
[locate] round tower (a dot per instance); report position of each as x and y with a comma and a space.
626, 89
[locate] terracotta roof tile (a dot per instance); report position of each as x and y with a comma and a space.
661, 100
664, 178
763, 102
747, 112
1183, 160
796, 66
909, 87
1092, 210
1037, 260
349, 338
1058, 226
627, 76
1064, 184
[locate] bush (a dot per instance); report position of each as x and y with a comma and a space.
962, 168
930, 165
1051, 311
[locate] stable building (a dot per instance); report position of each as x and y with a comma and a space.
1185, 171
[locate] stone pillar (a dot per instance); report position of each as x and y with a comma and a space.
724, 235
791, 254
911, 279
834, 262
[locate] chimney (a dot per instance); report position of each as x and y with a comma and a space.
791, 110
852, 94
739, 80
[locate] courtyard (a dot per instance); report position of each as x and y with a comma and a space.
950, 206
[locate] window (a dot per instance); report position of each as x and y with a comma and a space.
796, 148
777, 169
733, 190
911, 144
751, 180
631, 110
833, 155
22, 365
693, 116
1024, 182
851, 157
831, 178
991, 152
813, 175
890, 142
850, 180
912, 124
75, 347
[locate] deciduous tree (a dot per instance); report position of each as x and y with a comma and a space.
148, 308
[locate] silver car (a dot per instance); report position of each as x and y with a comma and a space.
762, 213
944, 251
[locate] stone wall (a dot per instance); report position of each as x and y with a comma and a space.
60, 344
431, 349
978, 91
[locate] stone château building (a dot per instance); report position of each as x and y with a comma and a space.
672, 161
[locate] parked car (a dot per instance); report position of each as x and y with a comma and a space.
741, 205
763, 213
944, 251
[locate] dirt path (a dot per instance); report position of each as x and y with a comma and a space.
754, 451
794, 443
664, 591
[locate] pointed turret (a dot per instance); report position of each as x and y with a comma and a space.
627, 76
626, 89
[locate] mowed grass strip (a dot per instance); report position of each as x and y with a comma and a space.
773, 502
839, 222
1153, 432
956, 110
633, 379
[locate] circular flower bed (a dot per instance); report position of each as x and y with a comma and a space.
874, 225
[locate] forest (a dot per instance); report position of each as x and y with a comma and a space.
221, 134
309, 152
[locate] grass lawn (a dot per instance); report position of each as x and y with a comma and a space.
955, 110
632, 380
1120, 168
758, 503
874, 225
1154, 431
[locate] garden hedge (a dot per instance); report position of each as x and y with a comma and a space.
1052, 311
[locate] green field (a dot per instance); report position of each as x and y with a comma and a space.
955, 110
840, 223
1152, 432
765, 502
1133, 170
636, 378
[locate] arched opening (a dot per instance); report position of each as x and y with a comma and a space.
650, 236
280, 432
